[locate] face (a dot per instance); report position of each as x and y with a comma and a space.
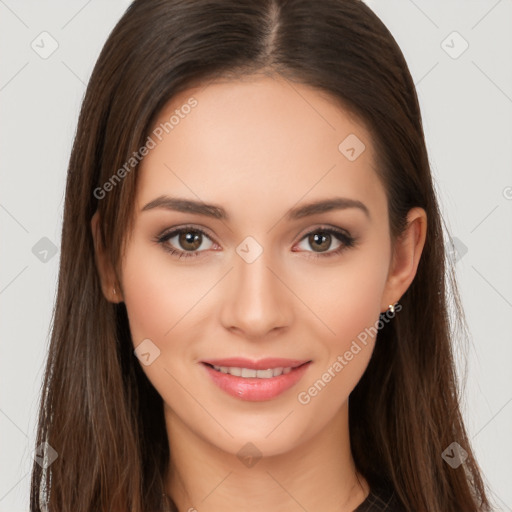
281, 296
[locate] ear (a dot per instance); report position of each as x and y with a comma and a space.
106, 272
406, 257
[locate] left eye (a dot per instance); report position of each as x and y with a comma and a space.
322, 238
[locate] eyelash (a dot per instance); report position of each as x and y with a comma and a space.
346, 240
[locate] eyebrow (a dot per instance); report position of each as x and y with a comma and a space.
179, 204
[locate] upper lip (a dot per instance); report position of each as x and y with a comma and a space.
261, 364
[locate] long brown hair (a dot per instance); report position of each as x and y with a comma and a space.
98, 410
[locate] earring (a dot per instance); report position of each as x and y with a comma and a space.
391, 308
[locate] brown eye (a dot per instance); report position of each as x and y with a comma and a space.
190, 240
320, 242
185, 242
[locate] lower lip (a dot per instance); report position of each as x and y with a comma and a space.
254, 389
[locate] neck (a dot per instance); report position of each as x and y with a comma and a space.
319, 474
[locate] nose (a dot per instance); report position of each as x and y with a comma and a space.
256, 300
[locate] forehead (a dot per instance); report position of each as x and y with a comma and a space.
258, 136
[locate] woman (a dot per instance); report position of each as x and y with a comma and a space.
252, 306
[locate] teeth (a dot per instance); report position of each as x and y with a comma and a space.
250, 373
277, 371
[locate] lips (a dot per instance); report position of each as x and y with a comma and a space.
255, 380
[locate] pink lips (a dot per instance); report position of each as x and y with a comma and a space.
253, 388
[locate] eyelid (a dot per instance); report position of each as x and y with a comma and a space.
175, 230
327, 228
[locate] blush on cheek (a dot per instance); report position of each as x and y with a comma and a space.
351, 307
145, 308
155, 294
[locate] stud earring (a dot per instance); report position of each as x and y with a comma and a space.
391, 308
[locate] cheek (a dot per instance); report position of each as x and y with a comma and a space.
346, 297
156, 298
159, 299
348, 300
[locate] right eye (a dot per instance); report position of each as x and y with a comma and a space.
184, 242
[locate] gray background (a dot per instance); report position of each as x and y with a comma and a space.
466, 101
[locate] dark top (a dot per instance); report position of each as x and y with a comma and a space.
381, 499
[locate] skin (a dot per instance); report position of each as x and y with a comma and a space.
258, 147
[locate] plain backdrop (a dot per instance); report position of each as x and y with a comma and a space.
460, 56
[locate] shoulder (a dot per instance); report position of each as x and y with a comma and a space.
381, 499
